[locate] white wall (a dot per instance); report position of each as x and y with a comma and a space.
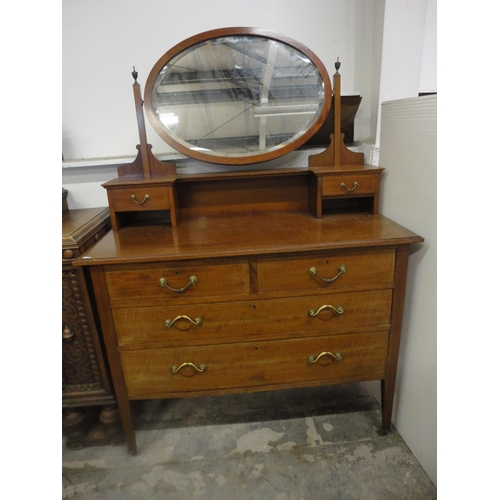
408, 57
428, 69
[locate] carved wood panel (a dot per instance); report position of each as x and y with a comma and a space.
81, 374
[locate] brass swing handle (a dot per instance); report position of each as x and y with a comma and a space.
134, 199
338, 356
313, 313
193, 280
170, 322
175, 369
314, 272
354, 186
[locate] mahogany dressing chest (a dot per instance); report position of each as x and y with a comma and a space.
246, 279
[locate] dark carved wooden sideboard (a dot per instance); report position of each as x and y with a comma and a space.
90, 415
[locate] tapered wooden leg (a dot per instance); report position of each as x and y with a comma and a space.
128, 425
387, 393
388, 385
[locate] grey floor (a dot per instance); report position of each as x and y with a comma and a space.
319, 443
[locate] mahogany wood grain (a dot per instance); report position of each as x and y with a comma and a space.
256, 336
160, 190
121, 393
359, 183
329, 180
135, 170
388, 383
266, 175
240, 192
157, 198
230, 321
337, 154
240, 195
142, 282
245, 365
279, 233
293, 274
141, 125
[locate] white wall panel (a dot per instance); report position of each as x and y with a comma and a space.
408, 152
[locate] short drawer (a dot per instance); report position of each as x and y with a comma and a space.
353, 184
316, 272
171, 372
240, 321
178, 281
139, 198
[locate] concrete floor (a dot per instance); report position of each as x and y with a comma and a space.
319, 443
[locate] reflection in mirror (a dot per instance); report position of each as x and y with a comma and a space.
238, 98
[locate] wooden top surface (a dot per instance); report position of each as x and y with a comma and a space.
245, 235
81, 223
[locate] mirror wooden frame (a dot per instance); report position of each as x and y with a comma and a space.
246, 159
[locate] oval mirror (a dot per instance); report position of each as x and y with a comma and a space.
237, 96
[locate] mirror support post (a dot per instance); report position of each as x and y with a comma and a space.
337, 155
141, 125
336, 114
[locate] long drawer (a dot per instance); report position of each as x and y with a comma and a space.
317, 272
233, 321
187, 281
169, 372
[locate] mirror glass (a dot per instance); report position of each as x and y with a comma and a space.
237, 96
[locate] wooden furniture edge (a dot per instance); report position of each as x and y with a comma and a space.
111, 344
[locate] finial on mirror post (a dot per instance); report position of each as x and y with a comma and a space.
135, 74
337, 66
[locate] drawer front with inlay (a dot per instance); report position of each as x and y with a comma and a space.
237, 321
140, 198
355, 184
326, 272
167, 372
179, 281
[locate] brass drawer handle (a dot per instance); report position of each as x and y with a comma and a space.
175, 369
339, 310
354, 186
133, 198
314, 272
193, 280
338, 356
170, 322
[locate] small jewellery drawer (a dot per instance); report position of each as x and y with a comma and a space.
179, 281
186, 324
170, 372
139, 198
354, 184
316, 272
